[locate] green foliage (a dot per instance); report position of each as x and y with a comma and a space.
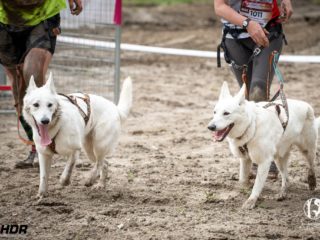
131, 176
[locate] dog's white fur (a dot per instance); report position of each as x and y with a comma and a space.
65, 123
260, 129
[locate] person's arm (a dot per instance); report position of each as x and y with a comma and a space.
256, 32
286, 10
75, 6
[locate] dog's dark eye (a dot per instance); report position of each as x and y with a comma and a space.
49, 105
226, 113
214, 112
36, 105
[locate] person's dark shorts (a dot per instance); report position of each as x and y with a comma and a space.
16, 42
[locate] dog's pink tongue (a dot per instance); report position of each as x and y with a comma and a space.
218, 135
44, 135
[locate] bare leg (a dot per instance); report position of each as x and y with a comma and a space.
36, 63
261, 178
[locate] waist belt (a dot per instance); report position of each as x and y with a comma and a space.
274, 28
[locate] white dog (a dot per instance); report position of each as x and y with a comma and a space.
66, 124
255, 134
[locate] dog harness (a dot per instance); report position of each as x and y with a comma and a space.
86, 117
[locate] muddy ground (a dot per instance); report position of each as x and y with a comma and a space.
167, 179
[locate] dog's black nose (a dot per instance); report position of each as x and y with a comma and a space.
212, 127
45, 121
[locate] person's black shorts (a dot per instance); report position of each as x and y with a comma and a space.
16, 42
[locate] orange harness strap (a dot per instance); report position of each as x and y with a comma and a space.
20, 84
245, 80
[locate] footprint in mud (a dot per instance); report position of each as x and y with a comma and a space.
48, 205
49, 202
4, 169
137, 132
173, 103
83, 166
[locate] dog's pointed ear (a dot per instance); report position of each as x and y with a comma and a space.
32, 85
241, 95
50, 84
224, 92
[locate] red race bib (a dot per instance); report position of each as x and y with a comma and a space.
261, 11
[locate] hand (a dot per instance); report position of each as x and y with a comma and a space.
286, 10
75, 7
258, 34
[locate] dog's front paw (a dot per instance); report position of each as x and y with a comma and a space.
250, 203
281, 196
64, 181
245, 184
40, 196
89, 182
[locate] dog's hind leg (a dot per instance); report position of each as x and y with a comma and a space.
45, 165
102, 169
94, 173
308, 147
282, 165
65, 176
92, 176
245, 166
262, 174
310, 156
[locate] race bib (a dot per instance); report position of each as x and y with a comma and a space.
257, 10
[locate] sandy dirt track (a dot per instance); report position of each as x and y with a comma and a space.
167, 179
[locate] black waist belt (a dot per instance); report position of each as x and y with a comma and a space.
275, 29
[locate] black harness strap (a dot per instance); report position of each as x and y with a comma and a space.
243, 149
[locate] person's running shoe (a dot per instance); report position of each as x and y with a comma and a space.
28, 162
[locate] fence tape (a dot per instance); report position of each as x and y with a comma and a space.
175, 51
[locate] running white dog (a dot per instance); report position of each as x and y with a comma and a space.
255, 134
66, 124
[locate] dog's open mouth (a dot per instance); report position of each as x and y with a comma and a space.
220, 135
45, 139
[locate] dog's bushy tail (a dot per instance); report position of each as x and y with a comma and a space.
125, 101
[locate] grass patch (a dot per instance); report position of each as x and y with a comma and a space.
212, 198
245, 191
163, 2
131, 176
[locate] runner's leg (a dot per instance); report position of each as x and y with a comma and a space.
260, 72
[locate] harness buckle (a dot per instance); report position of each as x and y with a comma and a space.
256, 51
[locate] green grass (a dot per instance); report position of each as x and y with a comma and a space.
162, 2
